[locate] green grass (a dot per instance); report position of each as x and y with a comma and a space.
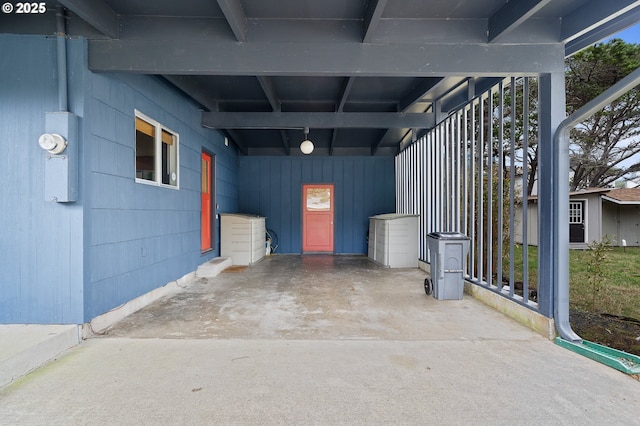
518, 253
616, 292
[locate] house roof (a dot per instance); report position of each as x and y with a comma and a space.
623, 196
618, 196
590, 191
366, 77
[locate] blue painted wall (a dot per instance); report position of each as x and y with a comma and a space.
272, 187
140, 236
41, 249
67, 263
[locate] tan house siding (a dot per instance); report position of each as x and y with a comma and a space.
611, 213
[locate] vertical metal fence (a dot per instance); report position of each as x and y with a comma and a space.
474, 173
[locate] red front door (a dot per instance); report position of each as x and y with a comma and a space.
205, 216
317, 218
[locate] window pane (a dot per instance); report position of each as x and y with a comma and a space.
205, 177
575, 212
318, 199
145, 150
169, 159
156, 152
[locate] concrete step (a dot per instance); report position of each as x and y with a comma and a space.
25, 347
213, 267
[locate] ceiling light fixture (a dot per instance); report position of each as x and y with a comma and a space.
306, 146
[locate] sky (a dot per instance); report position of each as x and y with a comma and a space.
630, 35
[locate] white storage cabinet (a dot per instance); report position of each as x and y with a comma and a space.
393, 240
242, 238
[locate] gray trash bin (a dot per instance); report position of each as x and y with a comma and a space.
448, 255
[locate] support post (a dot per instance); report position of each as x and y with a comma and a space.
553, 192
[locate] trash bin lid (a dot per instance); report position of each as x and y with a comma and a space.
448, 236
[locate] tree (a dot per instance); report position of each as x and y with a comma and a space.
524, 90
516, 126
604, 146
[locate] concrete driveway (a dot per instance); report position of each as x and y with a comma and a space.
319, 340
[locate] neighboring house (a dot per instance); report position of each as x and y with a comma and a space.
594, 214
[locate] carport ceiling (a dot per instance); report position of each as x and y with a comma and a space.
364, 76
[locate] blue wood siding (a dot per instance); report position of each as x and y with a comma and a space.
272, 187
142, 236
40, 241
68, 262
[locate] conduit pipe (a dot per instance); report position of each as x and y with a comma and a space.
561, 198
61, 33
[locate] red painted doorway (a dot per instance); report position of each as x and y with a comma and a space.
317, 218
205, 196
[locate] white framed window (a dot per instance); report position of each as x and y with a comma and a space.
576, 214
156, 152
